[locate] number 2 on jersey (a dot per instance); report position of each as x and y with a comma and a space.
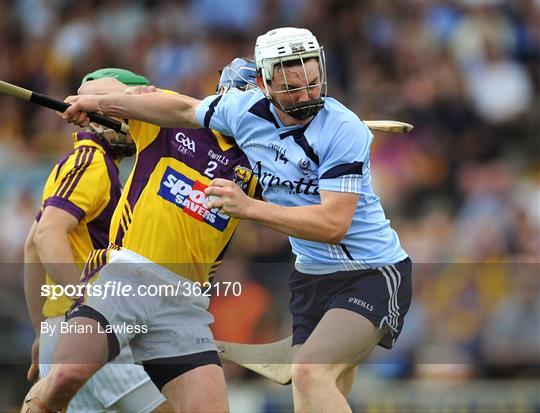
211, 166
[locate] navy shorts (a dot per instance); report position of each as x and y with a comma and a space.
382, 295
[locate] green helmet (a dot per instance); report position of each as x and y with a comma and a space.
119, 145
122, 75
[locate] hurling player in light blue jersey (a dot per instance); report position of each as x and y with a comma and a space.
352, 285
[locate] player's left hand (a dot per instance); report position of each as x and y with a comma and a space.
231, 199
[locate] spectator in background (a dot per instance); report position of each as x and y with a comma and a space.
511, 341
15, 224
500, 87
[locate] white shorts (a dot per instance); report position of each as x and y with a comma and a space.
173, 323
120, 386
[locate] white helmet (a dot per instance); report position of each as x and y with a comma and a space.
288, 44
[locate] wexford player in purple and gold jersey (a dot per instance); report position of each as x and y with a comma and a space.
173, 169
162, 235
79, 198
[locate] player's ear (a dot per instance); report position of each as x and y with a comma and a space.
260, 82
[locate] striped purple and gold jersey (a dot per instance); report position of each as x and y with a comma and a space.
163, 213
86, 184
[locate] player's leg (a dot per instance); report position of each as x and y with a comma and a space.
202, 389
344, 382
84, 401
178, 352
119, 386
193, 382
95, 332
366, 308
321, 362
81, 350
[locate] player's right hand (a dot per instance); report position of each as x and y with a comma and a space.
33, 370
77, 113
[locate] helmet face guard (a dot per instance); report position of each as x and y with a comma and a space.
302, 110
240, 74
117, 141
123, 149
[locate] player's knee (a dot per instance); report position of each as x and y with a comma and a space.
307, 376
67, 379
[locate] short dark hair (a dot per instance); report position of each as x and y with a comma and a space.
296, 62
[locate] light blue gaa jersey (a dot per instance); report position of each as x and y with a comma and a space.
293, 163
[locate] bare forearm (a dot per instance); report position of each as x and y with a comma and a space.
308, 222
57, 258
166, 110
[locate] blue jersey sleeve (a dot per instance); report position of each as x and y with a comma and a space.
346, 158
220, 112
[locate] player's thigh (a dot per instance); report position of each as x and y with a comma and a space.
84, 401
202, 388
342, 337
81, 343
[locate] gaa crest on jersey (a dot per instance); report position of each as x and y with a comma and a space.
186, 145
242, 177
188, 195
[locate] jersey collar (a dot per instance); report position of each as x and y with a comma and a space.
273, 111
89, 139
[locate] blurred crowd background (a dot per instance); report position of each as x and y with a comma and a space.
462, 190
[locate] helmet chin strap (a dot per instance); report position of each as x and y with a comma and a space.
304, 110
123, 149
300, 111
